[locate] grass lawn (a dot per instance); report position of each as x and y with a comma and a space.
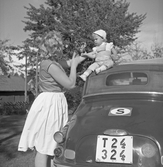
10, 130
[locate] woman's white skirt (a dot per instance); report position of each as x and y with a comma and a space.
48, 114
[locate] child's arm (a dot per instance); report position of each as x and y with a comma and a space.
114, 54
91, 55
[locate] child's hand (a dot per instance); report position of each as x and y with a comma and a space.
75, 59
84, 54
91, 55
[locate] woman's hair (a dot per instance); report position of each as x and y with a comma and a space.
51, 43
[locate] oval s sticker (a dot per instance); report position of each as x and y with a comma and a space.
120, 111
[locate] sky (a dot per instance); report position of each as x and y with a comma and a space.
12, 12
152, 27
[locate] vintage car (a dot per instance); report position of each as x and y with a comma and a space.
119, 122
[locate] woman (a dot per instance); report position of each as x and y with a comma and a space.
49, 111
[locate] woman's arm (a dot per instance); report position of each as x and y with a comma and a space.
64, 63
61, 77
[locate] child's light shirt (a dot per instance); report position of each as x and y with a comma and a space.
103, 52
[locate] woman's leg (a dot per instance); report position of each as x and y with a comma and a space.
52, 163
42, 160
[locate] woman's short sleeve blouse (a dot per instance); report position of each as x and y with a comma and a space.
46, 82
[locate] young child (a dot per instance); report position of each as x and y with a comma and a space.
103, 53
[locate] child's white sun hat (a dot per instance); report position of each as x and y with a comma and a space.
101, 33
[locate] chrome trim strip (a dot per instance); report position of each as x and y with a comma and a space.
104, 93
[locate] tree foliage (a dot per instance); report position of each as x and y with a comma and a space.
137, 52
3, 64
77, 19
157, 50
6, 53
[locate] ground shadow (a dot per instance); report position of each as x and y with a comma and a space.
10, 130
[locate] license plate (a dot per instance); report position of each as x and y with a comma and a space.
114, 149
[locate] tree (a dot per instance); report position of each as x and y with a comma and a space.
157, 50
77, 19
136, 52
6, 56
3, 64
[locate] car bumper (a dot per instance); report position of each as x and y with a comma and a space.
59, 165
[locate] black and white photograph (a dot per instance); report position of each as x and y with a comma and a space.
81, 83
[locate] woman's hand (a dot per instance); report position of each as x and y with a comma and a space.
76, 59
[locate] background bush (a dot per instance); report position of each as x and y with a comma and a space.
9, 108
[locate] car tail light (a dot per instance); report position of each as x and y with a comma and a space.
148, 150
58, 151
59, 136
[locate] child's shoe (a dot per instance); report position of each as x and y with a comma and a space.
83, 77
97, 71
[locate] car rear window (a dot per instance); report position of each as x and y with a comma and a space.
127, 78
